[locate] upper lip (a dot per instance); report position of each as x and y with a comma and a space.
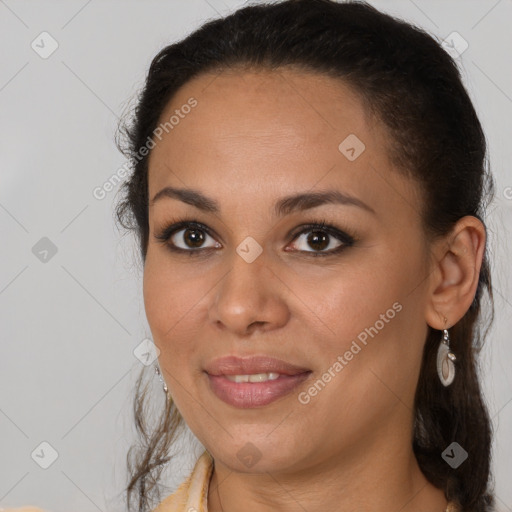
233, 365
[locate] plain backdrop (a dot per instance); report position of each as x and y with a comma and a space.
70, 286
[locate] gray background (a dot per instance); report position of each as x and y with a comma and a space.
70, 324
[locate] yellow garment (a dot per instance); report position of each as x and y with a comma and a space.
27, 508
192, 494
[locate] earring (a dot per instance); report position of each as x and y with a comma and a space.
445, 360
157, 371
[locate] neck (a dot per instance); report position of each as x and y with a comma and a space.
380, 480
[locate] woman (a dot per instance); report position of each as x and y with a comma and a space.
308, 192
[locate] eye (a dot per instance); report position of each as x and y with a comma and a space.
194, 238
319, 240
191, 238
187, 236
323, 239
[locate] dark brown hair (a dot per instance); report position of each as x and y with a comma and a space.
406, 80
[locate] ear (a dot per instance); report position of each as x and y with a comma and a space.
455, 272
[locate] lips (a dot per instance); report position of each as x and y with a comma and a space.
253, 394
233, 365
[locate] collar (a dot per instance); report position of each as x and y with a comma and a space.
192, 494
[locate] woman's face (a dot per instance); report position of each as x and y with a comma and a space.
256, 279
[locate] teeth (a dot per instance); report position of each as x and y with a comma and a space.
258, 377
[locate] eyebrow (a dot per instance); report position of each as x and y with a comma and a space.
285, 205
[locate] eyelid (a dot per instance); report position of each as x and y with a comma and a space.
179, 225
345, 236
323, 225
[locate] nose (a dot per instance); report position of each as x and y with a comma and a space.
249, 297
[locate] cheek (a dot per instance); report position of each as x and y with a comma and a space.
158, 304
347, 300
376, 316
363, 309
173, 308
172, 300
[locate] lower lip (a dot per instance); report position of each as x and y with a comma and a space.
254, 394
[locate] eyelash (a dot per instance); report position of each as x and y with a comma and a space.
347, 239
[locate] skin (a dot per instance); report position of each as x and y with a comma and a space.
254, 137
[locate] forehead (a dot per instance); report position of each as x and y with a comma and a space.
255, 129
259, 105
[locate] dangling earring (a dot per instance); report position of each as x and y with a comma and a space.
445, 360
157, 371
